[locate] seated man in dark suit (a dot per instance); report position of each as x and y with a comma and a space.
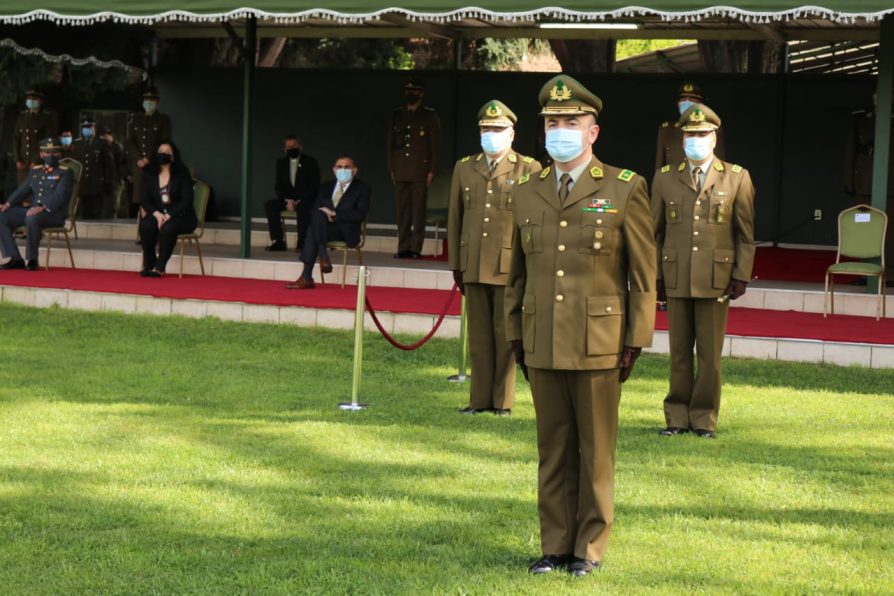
340, 209
297, 185
48, 188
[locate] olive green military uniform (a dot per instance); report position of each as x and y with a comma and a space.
414, 145
479, 239
145, 134
97, 173
669, 148
581, 287
31, 126
704, 240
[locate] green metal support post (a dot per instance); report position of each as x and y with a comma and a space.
248, 91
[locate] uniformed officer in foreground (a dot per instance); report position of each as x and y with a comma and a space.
48, 188
414, 144
703, 209
479, 238
670, 137
146, 131
580, 305
32, 124
97, 173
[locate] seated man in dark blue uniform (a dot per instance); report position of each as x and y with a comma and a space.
48, 188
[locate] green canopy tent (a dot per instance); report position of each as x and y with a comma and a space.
780, 20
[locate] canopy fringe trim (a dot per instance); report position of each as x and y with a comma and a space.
91, 60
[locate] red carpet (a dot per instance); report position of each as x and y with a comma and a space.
792, 264
229, 289
742, 321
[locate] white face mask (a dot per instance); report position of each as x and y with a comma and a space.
684, 105
564, 144
698, 148
494, 143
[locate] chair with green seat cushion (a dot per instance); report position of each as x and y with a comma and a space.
343, 246
201, 193
861, 235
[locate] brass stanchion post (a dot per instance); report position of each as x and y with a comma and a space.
463, 345
354, 405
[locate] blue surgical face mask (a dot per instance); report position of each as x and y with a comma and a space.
87, 132
32, 104
494, 143
697, 148
564, 144
150, 106
66, 141
684, 105
344, 175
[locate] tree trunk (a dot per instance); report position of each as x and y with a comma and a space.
742, 57
270, 52
585, 55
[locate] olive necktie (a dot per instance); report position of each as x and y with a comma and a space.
697, 179
336, 199
564, 187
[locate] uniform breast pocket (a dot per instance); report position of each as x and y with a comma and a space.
724, 258
721, 209
596, 235
672, 212
605, 325
669, 267
531, 227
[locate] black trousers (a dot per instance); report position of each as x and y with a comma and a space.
166, 239
319, 232
273, 208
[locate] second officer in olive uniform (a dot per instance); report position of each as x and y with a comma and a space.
479, 237
580, 305
146, 131
414, 144
32, 125
97, 173
670, 137
703, 209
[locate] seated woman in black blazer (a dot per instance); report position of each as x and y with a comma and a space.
168, 203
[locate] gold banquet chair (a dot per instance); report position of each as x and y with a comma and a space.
201, 194
861, 235
343, 246
283, 216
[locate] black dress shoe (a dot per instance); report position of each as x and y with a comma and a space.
549, 563
415, 255
403, 254
32, 265
154, 273
502, 411
471, 410
670, 431
705, 434
14, 264
582, 567
277, 246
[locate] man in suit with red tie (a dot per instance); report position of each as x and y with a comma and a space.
339, 212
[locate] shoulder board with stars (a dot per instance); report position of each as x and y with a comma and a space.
596, 172
544, 173
737, 169
682, 166
524, 179
465, 159
528, 160
626, 175
666, 169
665, 124
718, 165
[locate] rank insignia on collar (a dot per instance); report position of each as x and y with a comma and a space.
665, 169
524, 179
544, 173
682, 166
665, 124
512, 158
596, 172
528, 160
626, 175
465, 159
718, 166
560, 91
480, 155
737, 169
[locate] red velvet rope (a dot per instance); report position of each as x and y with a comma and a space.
422, 341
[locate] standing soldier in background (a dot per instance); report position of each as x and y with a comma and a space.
670, 137
479, 237
704, 228
146, 131
414, 144
580, 306
118, 173
32, 125
97, 171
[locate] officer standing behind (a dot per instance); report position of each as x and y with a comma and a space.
119, 172
670, 137
97, 172
32, 125
580, 305
479, 237
703, 209
414, 144
48, 188
146, 131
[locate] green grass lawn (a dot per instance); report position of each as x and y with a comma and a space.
169, 455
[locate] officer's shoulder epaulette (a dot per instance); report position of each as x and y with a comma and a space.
428, 109
666, 169
718, 165
665, 124
596, 172
36, 167
62, 166
737, 169
524, 179
682, 166
626, 175
512, 158
528, 160
465, 159
544, 173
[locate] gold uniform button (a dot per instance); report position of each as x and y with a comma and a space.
665, 257
598, 222
608, 309
563, 224
523, 309
561, 248
487, 205
559, 298
466, 189
560, 273
696, 218
695, 233
484, 234
490, 192
694, 249
527, 220
486, 219
698, 202
597, 245
598, 234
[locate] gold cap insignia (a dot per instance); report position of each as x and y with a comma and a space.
688, 88
493, 110
697, 116
560, 92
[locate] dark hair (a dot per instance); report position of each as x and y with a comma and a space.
291, 137
177, 167
345, 156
